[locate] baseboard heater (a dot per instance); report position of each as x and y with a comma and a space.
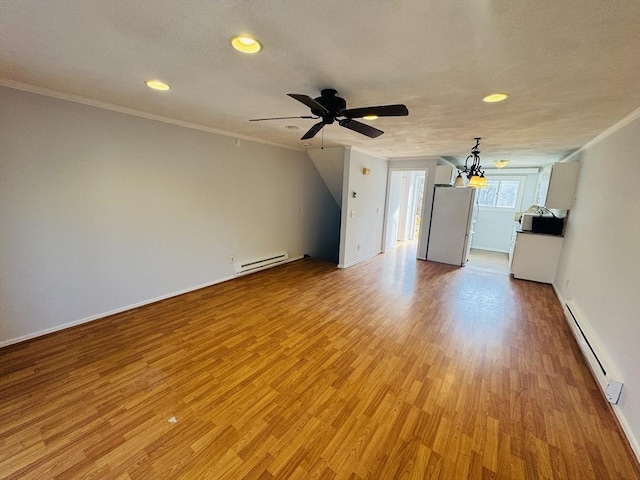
261, 263
611, 388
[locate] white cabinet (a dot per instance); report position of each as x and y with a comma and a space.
444, 175
535, 256
543, 185
560, 189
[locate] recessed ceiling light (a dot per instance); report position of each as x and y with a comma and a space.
157, 85
495, 97
306, 144
291, 127
370, 117
501, 163
246, 44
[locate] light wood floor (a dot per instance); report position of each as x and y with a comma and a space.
391, 369
495, 262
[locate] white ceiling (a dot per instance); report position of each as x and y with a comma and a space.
572, 67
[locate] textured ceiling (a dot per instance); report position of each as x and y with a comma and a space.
572, 67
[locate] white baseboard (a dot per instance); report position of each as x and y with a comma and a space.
74, 323
622, 420
360, 260
498, 250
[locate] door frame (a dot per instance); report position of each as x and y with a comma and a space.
387, 212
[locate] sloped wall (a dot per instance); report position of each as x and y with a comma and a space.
330, 165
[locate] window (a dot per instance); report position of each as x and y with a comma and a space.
487, 197
499, 193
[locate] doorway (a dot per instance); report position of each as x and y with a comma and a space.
405, 193
498, 205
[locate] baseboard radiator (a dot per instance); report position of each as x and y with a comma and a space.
261, 263
612, 388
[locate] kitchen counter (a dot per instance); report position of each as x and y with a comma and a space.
535, 256
527, 232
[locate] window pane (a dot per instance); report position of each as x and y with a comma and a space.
487, 196
508, 193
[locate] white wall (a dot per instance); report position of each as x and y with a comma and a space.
100, 210
599, 269
362, 216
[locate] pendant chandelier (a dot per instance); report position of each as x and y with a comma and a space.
474, 172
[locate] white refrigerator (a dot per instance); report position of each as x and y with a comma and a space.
451, 228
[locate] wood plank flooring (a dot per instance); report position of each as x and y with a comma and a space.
392, 369
488, 261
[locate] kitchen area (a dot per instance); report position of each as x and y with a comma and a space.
515, 226
538, 236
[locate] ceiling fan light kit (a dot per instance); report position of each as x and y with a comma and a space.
331, 108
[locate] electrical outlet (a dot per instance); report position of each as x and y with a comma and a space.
231, 259
358, 246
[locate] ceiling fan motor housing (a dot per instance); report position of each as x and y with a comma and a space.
329, 106
335, 105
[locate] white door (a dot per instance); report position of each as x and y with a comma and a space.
393, 210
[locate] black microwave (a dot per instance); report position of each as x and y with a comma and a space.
548, 225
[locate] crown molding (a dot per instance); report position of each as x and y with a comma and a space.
604, 134
512, 171
361, 150
26, 87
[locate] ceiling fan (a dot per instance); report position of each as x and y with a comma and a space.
331, 108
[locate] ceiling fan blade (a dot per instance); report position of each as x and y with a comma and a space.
280, 118
398, 110
359, 127
312, 131
308, 101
